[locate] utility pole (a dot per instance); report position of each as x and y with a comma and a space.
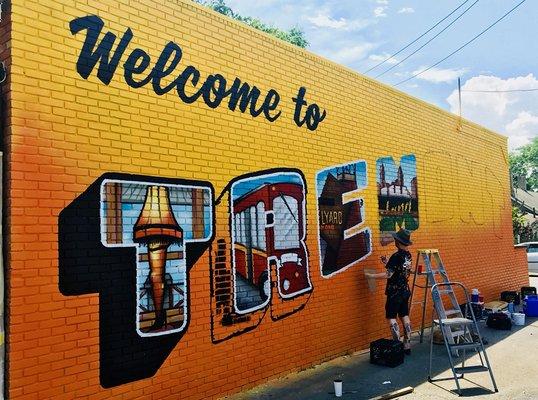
459, 101
459, 94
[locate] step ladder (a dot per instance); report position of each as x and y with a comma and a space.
468, 337
434, 271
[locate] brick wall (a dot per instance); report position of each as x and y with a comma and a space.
90, 316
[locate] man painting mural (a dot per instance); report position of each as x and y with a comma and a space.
397, 290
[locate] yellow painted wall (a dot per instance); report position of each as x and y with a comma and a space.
67, 131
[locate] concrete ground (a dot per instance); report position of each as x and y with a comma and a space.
513, 356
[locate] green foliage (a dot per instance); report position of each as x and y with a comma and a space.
524, 161
388, 224
294, 36
518, 222
411, 223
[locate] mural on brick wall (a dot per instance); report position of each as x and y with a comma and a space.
158, 220
134, 239
397, 196
343, 239
265, 266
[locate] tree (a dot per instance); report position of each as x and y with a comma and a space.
294, 36
524, 161
519, 224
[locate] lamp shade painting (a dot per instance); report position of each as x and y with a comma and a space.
159, 220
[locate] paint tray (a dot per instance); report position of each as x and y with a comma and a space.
372, 282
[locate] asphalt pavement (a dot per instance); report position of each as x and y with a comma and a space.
513, 356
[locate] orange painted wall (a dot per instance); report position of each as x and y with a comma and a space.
64, 132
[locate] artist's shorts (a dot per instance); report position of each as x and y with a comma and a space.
397, 305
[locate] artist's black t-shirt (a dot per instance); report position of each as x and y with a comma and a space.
399, 265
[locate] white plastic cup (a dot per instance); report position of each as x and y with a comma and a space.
338, 388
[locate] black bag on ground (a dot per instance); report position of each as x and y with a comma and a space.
510, 296
387, 352
499, 321
477, 310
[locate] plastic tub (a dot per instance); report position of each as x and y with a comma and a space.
531, 306
518, 318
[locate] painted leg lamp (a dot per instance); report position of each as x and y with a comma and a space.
157, 229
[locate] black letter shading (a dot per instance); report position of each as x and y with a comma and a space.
87, 266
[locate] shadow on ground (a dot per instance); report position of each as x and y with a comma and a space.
510, 353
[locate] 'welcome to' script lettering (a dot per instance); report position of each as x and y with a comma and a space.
164, 77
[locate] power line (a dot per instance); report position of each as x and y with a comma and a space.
418, 38
429, 41
462, 46
501, 91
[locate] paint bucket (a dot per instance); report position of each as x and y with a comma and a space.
518, 318
475, 296
372, 284
530, 306
337, 388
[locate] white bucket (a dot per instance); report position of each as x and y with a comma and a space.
518, 318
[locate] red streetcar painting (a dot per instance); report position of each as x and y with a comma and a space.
268, 230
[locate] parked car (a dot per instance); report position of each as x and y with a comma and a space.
532, 256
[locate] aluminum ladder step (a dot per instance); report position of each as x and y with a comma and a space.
453, 321
471, 369
457, 330
455, 334
465, 346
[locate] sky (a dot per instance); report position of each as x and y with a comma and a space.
408, 164
360, 33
